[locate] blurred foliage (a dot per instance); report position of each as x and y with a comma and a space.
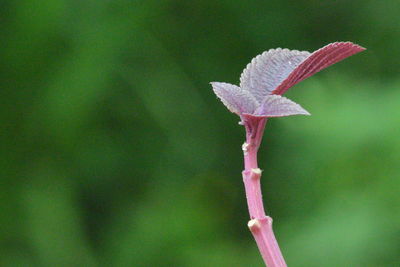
115, 152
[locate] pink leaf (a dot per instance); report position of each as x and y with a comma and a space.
279, 106
318, 60
266, 71
234, 98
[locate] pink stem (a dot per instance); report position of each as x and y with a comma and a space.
260, 225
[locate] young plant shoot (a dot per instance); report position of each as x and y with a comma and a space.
263, 81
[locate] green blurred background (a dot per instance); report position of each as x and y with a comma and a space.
116, 152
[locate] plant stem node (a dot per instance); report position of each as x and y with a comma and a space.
254, 224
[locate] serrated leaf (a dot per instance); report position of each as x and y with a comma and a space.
273, 73
279, 106
318, 60
234, 98
266, 71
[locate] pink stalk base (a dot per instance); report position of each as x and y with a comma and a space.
260, 225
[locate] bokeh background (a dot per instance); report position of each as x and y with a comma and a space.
115, 151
